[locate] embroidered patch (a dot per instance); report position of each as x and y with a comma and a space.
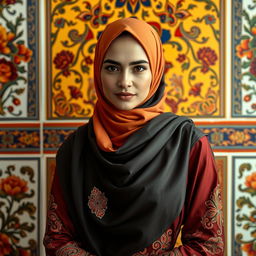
97, 202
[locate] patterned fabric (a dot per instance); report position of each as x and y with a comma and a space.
201, 218
97, 203
70, 249
160, 246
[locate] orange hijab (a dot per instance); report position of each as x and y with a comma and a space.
111, 125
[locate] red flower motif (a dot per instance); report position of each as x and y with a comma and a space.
173, 104
10, 109
196, 89
253, 67
168, 65
5, 247
75, 92
178, 32
16, 101
62, 61
97, 202
208, 58
181, 58
8, 72
88, 60
23, 252
247, 97
8, 2
253, 106
13, 185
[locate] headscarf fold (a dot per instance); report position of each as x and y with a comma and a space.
112, 126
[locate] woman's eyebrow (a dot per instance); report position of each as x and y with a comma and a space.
131, 63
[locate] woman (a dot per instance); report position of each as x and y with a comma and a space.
130, 179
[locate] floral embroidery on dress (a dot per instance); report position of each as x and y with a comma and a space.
97, 202
70, 249
176, 252
54, 223
159, 247
214, 245
213, 216
214, 213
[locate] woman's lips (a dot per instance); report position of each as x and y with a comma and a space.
125, 95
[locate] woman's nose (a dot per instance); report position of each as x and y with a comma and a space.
125, 80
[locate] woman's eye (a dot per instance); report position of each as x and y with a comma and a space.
111, 68
139, 68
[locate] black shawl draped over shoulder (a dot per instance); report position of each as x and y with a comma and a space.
140, 188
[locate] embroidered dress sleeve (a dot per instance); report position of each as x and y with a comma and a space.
59, 239
202, 232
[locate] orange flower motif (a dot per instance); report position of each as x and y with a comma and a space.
5, 247
5, 38
250, 181
29, 139
8, 71
13, 185
24, 54
239, 137
249, 249
243, 49
63, 107
254, 30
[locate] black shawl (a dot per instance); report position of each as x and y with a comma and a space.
139, 189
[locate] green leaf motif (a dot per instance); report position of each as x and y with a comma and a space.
191, 6
243, 167
246, 64
242, 201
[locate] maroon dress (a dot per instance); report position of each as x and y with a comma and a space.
200, 221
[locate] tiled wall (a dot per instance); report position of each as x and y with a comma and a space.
46, 91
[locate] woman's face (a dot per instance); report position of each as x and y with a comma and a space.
125, 74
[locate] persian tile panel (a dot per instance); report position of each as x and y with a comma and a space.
244, 58
230, 136
56, 133
244, 206
19, 60
19, 201
223, 136
192, 36
20, 138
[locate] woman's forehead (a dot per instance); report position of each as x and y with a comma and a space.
126, 46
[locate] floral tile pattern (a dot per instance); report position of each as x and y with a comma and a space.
23, 138
222, 136
244, 206
19, 201
191, 33
244, 58
231, 136
19, 60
